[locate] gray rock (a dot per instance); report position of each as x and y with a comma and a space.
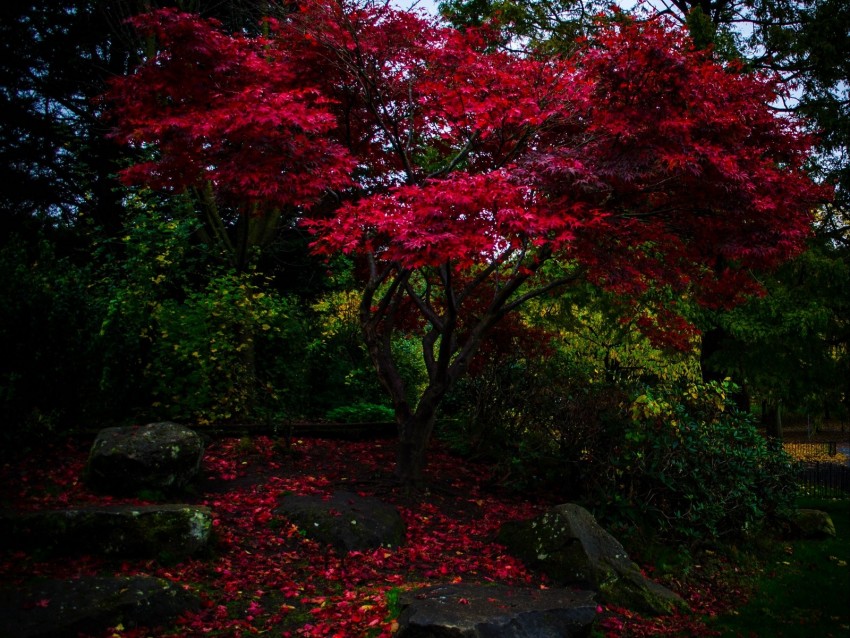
57, 609
495, 611
569, 546
346, 521
158, 456
813, 524
153, 531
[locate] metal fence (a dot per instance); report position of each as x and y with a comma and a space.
824, 467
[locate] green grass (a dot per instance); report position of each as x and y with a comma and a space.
803, 589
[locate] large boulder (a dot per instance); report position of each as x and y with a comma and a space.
158, 456
167, 532
812, 524
495, 611
89, 606
569, 546
345, 521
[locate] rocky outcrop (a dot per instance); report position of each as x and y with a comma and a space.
158, 456
569, 546
58, 608
154, 531
345, 521
495, 611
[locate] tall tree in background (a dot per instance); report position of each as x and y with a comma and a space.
56, 161
484, 178
56, 186
63, 212
805, 323
545, 25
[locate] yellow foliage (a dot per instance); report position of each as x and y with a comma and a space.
815, 454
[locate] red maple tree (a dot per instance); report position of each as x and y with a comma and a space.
220, 118
481, 178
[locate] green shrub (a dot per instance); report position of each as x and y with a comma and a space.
49, 370
539, 420
361, 413
211, 346
185, 337
340, 372
150, 266
688, 465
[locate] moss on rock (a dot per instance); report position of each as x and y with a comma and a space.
159, 456
569, 546
151, 531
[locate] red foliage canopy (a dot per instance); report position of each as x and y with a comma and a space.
638, 157
475, 179
218, 109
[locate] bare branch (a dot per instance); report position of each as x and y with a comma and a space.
457, 159
424, 305
485, 273
537, 292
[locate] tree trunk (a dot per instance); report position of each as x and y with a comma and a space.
713, 342
414, 436
446, 357
772, 419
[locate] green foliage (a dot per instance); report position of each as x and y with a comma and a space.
48, 375
547, 25
706, 33
812, 37
537, 419
340, 371
185, 337
689, 466
393, 605
203, 363
361, 412
181, 335
150, 265
595, 328
792, 344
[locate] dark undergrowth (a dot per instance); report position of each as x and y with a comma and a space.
801, 588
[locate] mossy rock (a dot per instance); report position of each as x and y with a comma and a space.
568, 545
345, 521
159, 456
813, 524
89, 606
166, 532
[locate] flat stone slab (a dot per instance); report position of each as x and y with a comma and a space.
127, 531
495, 611
57, 608
345, 521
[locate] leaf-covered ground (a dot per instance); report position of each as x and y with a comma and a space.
265, 578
